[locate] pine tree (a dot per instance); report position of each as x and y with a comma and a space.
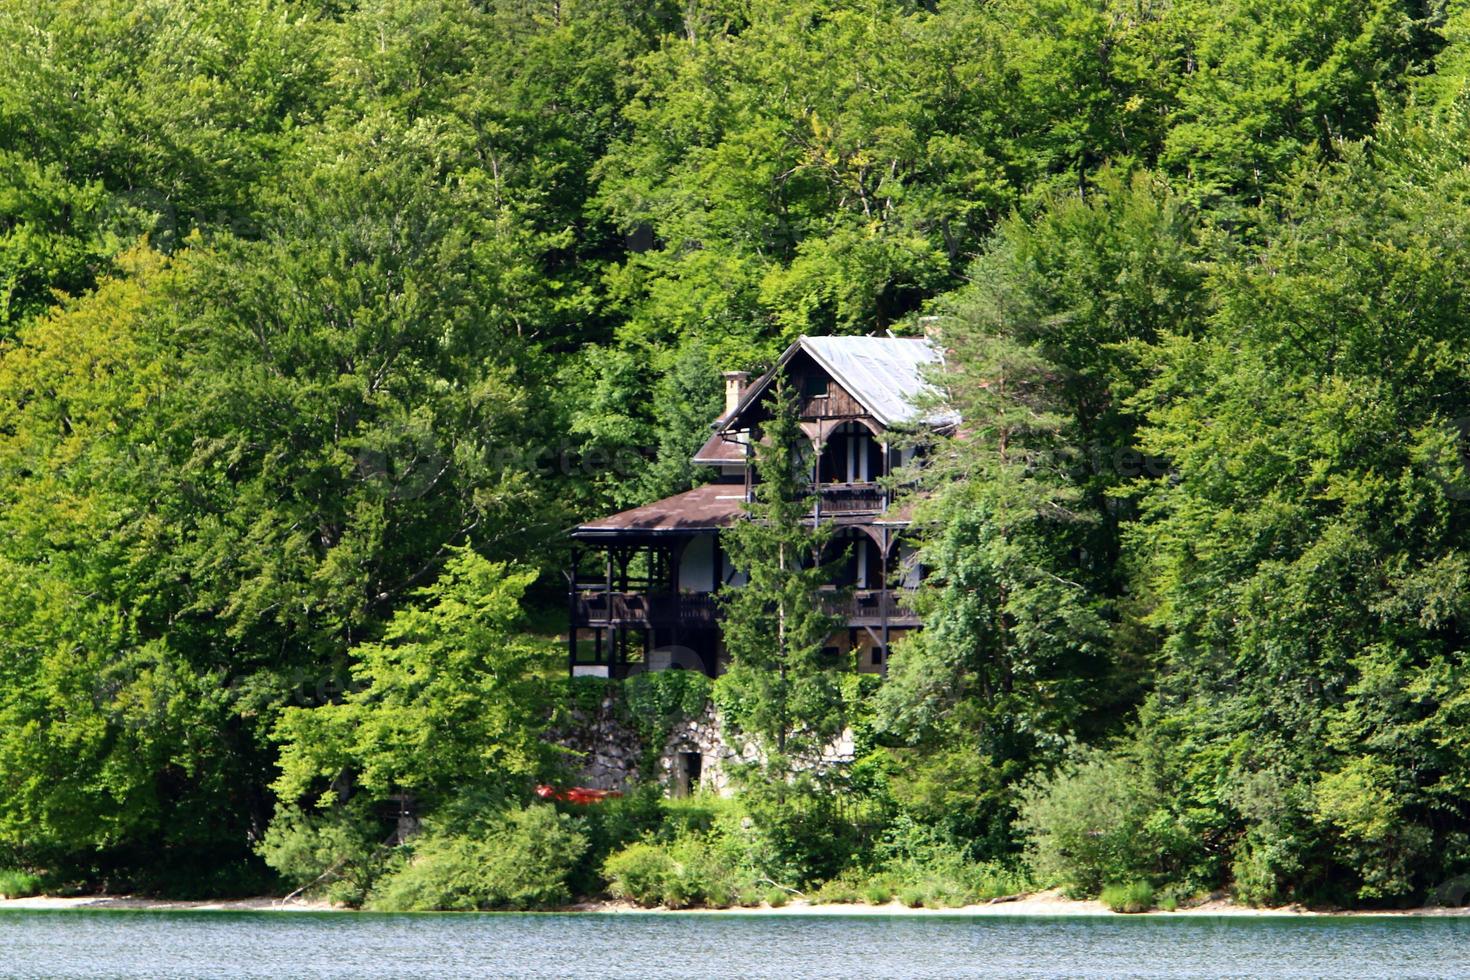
779, 689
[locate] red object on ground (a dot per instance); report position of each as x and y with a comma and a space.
575, 794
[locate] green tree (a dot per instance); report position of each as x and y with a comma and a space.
1306, 557
779, 689
1019, 534
452, 701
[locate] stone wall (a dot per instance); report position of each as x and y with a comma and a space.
606, 752
695, 755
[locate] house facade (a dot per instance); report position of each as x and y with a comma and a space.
644, 582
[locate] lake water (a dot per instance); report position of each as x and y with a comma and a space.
287, 944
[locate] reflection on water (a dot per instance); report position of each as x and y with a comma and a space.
260, 944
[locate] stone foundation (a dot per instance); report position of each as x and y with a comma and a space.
696, 755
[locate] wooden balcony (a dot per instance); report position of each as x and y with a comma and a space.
851, 498
864, 607
687, 611
872, 607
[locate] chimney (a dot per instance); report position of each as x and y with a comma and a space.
734, 388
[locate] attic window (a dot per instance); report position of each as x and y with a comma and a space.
814, 386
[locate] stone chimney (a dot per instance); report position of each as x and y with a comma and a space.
735, 382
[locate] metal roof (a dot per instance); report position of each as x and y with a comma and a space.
888, 375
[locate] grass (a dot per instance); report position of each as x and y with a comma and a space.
1136, 896
15, 883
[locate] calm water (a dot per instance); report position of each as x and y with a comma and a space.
260, 944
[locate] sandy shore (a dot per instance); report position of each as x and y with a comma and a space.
1049, 903
166, 905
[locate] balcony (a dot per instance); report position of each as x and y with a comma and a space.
836, 499
600, 608
864, 607
871, 607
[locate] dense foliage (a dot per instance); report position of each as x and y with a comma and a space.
320, 321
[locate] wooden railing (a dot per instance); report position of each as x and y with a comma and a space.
597, 607
851, 498
871, 606
863, 607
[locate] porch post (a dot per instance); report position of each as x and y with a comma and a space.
887, 596
572, 612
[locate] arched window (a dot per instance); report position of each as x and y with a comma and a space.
851, 455
859, 560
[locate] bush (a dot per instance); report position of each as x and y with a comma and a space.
15, 883
641, 872
777, 898
911, 896
523, 865
1096, 821
612, 825
842, 890
1136, 896
877, 893
335, 855
927, 859
802, 834
694, 869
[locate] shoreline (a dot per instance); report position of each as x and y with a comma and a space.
1047, 904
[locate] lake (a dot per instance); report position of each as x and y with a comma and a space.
259, 944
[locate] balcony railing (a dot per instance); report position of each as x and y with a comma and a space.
851, 498
598, 607
870, 607
863, 607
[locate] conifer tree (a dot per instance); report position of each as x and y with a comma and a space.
780, 690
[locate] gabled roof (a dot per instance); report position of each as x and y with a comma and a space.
887, 375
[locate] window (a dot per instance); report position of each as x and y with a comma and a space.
813, 386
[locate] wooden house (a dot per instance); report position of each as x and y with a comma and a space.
643, 582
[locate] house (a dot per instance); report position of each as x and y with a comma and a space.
643, 582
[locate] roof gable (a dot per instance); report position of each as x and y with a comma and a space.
886, 375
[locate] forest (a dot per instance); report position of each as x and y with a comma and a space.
322, 321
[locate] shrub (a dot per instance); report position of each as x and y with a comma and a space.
802, 834
641, 872
911, 896
750, 896
1092, 823
842, 890
690, 870
336, 855
15, 883
524, 864
877, 893
926, 858
776, 898
1136, 896
612, 825
694, 869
